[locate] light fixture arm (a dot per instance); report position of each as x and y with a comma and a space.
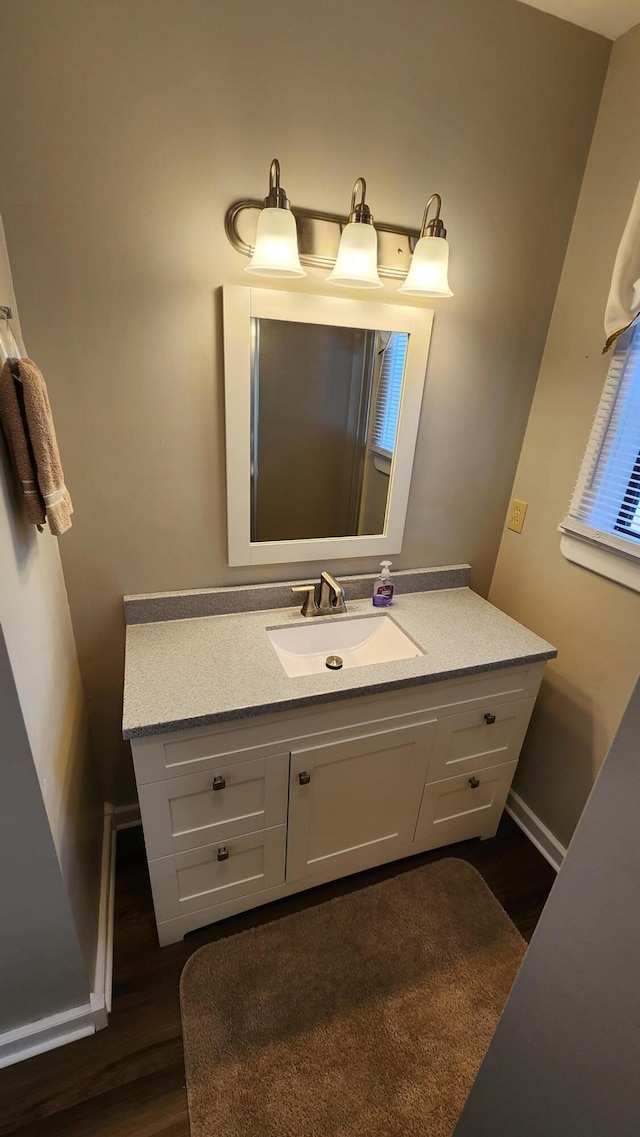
360, 211
433, 228
276, 198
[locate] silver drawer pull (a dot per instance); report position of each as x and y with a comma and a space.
218, 782
474, 783
304, 778
489, 718
223, 853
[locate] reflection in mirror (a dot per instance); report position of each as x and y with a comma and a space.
324, 419
322, 404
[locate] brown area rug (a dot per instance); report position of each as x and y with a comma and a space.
366, 1016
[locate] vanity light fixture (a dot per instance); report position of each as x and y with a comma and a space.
428, 272
355, 253
357, 261
276, 248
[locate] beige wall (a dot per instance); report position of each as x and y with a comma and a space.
35, 620
594, 623
134, 124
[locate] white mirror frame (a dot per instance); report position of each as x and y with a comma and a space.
240, 306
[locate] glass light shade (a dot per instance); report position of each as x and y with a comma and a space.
276, 249
357, 261
429, 268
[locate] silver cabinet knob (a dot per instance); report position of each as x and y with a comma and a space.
474, 783
489, 718
218, 782
223, 853
304, 778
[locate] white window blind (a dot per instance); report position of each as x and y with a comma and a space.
605, 507
389, 394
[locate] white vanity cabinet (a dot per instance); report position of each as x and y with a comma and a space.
242, 812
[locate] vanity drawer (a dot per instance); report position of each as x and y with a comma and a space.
200, 878
470, 805
214, 805
482, 737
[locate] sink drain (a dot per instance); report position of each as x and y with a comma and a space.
333, 662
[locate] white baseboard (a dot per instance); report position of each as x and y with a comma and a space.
115, 818
103, 975
57, 1030
126, 816
535, 830
46, 1034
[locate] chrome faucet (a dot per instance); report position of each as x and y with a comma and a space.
322, 599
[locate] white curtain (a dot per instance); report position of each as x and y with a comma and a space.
623, 305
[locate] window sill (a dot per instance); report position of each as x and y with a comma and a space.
623, 570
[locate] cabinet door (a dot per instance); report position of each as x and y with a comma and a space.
470, 805
351, 804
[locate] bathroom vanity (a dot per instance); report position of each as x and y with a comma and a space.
254, 784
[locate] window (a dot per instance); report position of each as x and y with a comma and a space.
388, 396
629, 519
602, 528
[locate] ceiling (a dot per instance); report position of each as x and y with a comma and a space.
610, 18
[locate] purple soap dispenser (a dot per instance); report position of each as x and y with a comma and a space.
383, 587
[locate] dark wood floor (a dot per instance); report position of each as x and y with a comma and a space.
128, 1080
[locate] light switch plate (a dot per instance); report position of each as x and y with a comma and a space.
517, 513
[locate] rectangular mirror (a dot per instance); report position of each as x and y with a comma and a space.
322, 398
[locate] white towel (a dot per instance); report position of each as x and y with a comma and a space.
623, 305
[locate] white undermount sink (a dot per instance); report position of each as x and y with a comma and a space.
305, 648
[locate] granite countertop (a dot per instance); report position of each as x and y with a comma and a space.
190, 672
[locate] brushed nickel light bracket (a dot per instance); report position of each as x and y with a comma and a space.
276, 198
319, 233
433, 228
359, 209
